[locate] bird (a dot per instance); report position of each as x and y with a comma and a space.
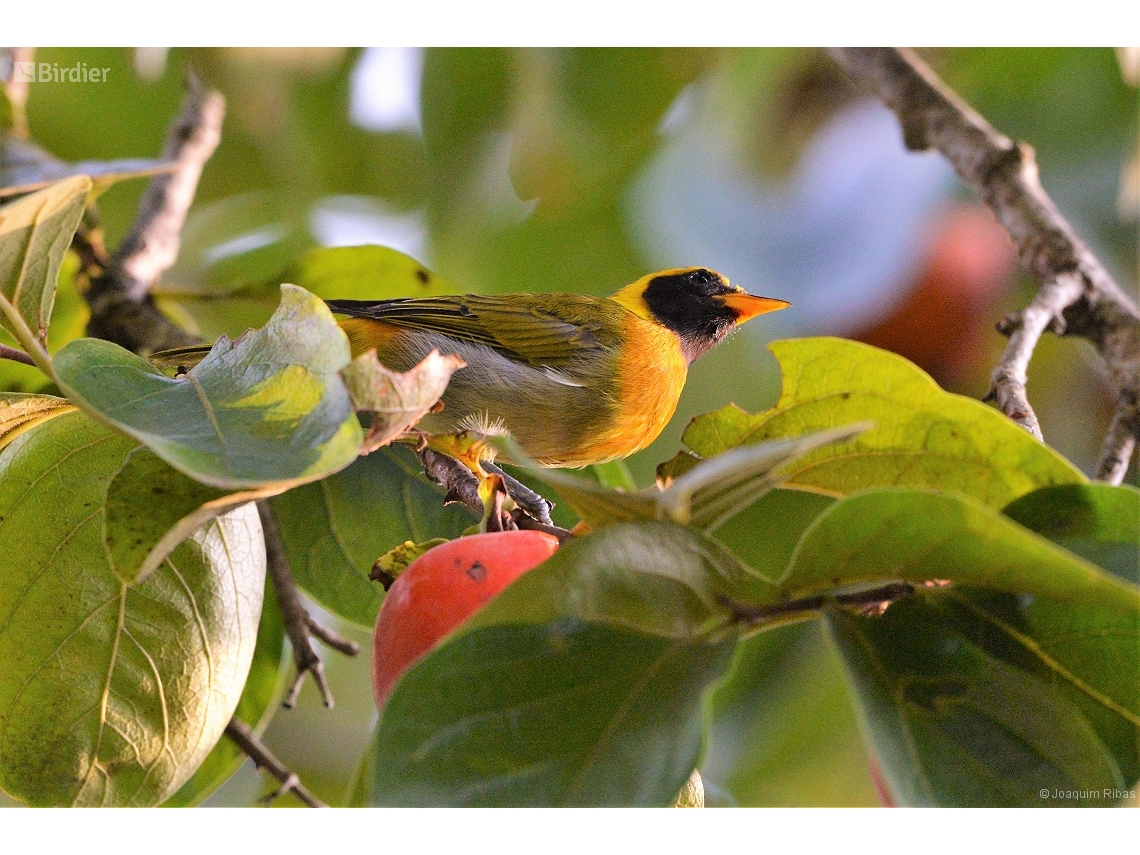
573, 379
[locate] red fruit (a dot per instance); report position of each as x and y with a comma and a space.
443, 587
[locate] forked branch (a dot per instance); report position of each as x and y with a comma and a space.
1077, 295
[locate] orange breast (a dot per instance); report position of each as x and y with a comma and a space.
651, 374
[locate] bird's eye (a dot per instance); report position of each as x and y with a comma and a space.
700, 277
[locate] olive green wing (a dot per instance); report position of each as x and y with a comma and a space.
544, 330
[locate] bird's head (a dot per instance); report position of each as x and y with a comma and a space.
696, 303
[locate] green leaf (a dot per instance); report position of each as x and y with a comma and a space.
1098, 522
111, 693
20, 413
151, 508
652, 577
35, 232
916, 536
267, 410
924, 437
260, 700
568, 713
706, 495
972, 698
335, 529
364, 273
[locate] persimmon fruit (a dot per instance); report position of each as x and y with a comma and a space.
441, 589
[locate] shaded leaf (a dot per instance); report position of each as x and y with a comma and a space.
260, 699
972, 698
924, 437
35, 232
268, 410
335, 529
20, 413
568, 713
396, 400
1098, 522
111, 693
151, 508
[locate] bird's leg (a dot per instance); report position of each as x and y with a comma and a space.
526, 498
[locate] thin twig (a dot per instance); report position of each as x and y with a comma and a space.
243, 736
297, 620
122, 307
874, 601
1004, 174
15, 355
334, 640
1024, 328
459, 482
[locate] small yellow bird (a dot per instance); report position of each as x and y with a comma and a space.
574, 379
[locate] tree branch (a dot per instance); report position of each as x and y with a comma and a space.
298, 621
15, 355
122, 308
243, 736
1077, 296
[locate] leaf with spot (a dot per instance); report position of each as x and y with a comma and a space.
367, 272
112, 693
266, 411
924, 437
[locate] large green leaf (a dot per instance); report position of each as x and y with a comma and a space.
35, 232
268, 410
973, 698
924, 437
260, 700
111, 693
917, 535
335, 529
568, 713
1096, 521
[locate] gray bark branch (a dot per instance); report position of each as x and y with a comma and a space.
1077, 296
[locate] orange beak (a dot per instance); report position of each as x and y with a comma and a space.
747, 307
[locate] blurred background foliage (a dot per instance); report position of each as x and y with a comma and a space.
580, 170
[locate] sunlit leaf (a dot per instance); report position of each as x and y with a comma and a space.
111, 693
364, 273
20, 413
268, 410
260, 700
35, 232
924, 437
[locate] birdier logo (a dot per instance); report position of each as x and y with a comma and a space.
53, 72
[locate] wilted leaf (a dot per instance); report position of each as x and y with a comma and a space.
20, 413
111, 693
35, 232
268, 410
335, 529
396, 400
924, 437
